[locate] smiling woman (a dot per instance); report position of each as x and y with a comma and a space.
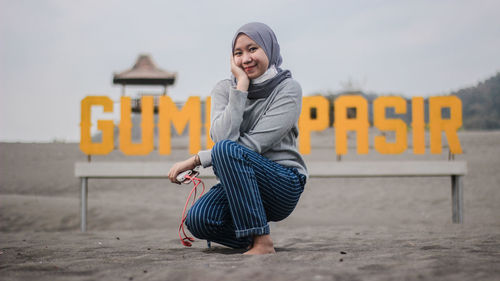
249, 56
254, 126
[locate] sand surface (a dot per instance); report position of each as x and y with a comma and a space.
342, 229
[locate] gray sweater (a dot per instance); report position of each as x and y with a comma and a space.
267, 126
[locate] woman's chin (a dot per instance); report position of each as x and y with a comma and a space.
252, 75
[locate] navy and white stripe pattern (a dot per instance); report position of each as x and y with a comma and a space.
252, 191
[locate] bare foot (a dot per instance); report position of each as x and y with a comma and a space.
262, 245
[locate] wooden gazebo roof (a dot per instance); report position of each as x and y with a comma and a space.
144, 72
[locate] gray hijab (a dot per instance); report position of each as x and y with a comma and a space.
264, 36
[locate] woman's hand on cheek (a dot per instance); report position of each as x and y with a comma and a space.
241, 77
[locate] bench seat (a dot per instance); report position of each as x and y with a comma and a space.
321, 169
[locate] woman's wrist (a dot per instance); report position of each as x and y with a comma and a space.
196, 160
243, 84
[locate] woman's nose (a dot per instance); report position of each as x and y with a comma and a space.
247, 58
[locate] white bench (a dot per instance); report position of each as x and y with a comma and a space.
123, 170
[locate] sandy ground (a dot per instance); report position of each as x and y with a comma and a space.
342, 229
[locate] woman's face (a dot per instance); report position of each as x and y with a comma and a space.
250, 56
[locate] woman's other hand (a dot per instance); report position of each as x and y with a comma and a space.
241, 77
182, 166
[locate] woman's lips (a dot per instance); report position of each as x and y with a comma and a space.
249, 68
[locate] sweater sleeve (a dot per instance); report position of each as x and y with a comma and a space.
280, 117
228, 106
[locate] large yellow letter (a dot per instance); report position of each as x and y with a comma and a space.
106, 126
397, 125
208, 109
147, 127
306, 124
343, 124
449, 126
170, 114
418, 125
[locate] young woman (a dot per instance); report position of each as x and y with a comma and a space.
255, 157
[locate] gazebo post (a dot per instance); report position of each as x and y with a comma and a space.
123, 90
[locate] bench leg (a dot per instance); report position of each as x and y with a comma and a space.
457, 198
83, 204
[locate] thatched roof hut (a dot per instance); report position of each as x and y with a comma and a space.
144, 72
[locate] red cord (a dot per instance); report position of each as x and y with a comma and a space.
196, 181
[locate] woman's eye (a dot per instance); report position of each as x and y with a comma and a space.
237, 53
253, 49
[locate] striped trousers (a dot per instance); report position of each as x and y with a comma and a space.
253, 190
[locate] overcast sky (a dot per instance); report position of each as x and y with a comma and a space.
54, 53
